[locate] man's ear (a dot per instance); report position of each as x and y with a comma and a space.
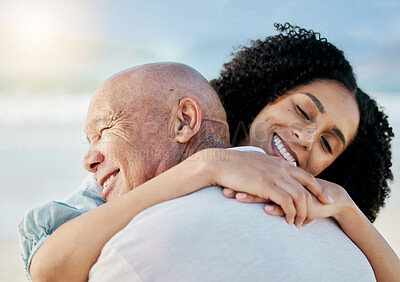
187, 120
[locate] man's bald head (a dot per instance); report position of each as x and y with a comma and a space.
166, 83
158, 114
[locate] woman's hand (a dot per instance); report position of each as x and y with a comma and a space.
270, 178
315, 209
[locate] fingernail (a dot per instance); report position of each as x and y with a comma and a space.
241, 196
293, 163
229, 192
269, 208
330, 199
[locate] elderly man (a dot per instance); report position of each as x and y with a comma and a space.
140, 123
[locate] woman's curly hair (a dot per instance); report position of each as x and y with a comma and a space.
259, 74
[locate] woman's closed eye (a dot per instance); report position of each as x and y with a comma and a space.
302, 112
327, 145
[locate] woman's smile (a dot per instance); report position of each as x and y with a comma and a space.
282, 149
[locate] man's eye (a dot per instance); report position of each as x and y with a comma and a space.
326, 143
101, 130
302, 112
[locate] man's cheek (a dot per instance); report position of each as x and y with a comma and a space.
152, 127
122, 185
115, 153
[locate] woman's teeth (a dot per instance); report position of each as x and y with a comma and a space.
108, 181
282, 150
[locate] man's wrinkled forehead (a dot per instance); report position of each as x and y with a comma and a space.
118, 98
104, 103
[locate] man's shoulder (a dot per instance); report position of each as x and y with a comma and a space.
209, 209
180, 235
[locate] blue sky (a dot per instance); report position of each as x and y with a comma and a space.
71, 46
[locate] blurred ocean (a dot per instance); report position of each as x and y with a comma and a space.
42, 146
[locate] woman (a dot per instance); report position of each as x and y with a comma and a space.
311, 209
259, 74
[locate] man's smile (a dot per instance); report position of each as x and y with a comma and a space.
106, 183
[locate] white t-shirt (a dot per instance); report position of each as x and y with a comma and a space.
207, 237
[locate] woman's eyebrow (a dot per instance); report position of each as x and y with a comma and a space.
315, 100
339, 133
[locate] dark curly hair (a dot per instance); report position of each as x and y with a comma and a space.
259, 74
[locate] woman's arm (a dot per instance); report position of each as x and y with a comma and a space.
358, 228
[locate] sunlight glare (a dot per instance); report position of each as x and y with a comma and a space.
36, 30
42, 38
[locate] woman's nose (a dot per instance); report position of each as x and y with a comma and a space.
305, 137
92, 160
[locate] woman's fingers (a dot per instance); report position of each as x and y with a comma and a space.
293, 198
285, 201
229, 193
306, 222
248, 198
301, 209
315, 209
254, 177
309, 181
299, 195
277, 195
273, 209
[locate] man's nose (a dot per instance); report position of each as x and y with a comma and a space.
305, 138
92, 160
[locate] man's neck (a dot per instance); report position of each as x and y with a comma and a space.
205, 139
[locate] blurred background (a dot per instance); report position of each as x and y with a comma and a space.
53, 55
